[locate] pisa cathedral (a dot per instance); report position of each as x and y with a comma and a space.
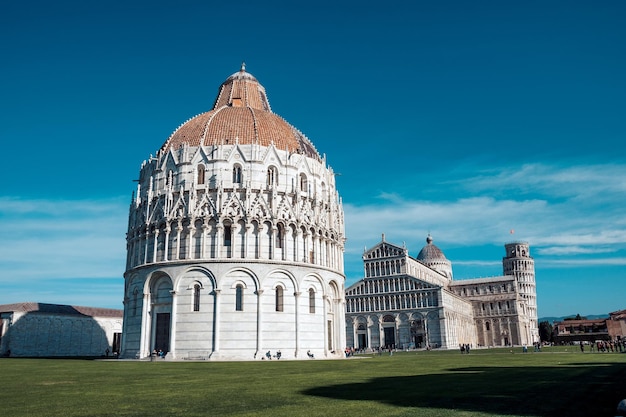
235, 239
407, 302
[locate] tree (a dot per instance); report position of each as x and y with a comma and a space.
545, 331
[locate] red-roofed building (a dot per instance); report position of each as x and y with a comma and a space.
590, 330
616, 324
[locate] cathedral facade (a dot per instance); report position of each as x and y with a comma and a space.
235, 239
405, 302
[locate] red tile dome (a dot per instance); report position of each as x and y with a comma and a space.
241, 114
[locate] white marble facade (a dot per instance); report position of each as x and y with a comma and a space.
405, 302
235, 239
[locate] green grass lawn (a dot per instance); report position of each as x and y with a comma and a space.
556, 382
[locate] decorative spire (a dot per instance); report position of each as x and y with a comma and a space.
243, 66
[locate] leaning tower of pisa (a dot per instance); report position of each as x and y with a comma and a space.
521, 265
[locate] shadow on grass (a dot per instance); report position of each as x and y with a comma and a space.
574, 390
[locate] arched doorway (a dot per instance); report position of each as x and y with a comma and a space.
161, 309
418, 333
334, 341
389, 328
362, 336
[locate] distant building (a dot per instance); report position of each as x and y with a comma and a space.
410, 302
590, 330
576, 331
616, 324
52, 330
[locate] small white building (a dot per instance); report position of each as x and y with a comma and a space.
52, 330
235, 239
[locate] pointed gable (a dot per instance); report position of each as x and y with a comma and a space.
233, 208
285, 210
271, 157
237, 155
260, 209
385, 250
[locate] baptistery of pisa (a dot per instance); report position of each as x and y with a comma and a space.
235, 239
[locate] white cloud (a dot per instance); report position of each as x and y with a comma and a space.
576, 263
62, 238
478, 263
577, 182
569, 211
470, 221
85, 239
574, 250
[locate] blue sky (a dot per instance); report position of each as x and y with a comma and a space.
463, 119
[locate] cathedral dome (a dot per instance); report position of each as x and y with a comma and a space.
433, 257
430, 252
242, 115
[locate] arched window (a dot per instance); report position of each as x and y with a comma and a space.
311, 300
272, 176
280, 233
200, 174
487, 326
135, 302
239, 297
303, 183
228, 231
237, 174
196, 297
279, 298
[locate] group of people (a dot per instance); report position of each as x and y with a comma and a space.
388, 348
465, 348
606, 346
157, 353
269, 356
349, 351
